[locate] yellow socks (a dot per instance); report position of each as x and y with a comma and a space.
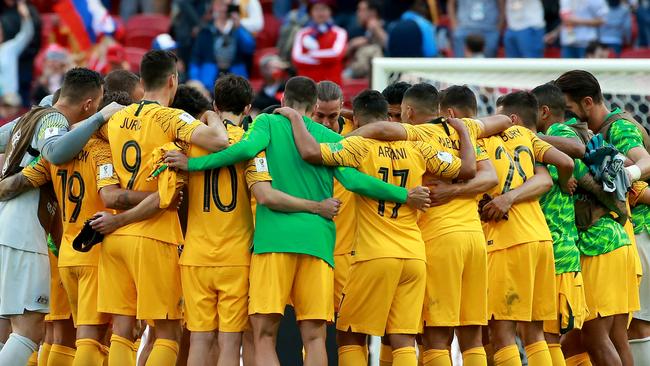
507, 356
556, 354
385, 355
405, 356
121, 352
89, 353
475, 357
436, 357
538, 354
33, 359
579, 360
60, 356
352, 356
164, 353
44, 354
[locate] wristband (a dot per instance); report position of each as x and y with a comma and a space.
634, 171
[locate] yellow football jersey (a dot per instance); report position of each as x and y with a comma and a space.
219, 220
460, 214
77, 184
389, 230
346, 220
134, 133
514, 153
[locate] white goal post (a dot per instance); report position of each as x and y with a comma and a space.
624, 82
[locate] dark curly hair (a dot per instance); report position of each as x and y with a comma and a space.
191, 101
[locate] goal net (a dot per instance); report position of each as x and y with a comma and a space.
625, 82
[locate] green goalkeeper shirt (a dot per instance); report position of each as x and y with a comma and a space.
303, 233
558, 208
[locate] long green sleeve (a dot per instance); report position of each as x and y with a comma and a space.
365, 185
256, 139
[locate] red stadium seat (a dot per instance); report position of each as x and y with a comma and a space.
552, 52
352, 87
636, 53
134, 56
155, 23
269, 35
140, 38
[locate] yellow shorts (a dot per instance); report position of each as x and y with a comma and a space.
608, 280
456, 292
59, 306
215, 298
139, 277
383, 295
571, 304
277, 279
521, 283
80, 283
341, 270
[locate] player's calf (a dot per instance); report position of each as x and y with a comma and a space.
313, 334
265, 331
619, 338
229, 347
595, 337
200, 345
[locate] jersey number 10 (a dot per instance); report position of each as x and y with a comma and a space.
211, 190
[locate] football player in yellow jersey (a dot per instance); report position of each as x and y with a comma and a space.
139, 274
394, 93
328, 113
386, 283
521, 271
456, 289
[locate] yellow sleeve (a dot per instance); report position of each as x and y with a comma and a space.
257, 170
347, 152
38, 172
181, 123
638, 188
105, 174
539, 147
417, 133
440, 163
475, 127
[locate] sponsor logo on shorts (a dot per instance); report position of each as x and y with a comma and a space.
490, 242
43, 300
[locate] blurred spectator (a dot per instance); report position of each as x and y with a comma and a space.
129, 8
483, 17
274, 74
11, 23
10, 50
124, 81
414, 34
643, 20
107, 55
188, 16
57, 61
596, 49
474, 46
294, 22
10, 107
251, 16
223, 46
165, 42
524, 36
345, 14
281, 8
319, 48
580, 22
617, 30
362, 49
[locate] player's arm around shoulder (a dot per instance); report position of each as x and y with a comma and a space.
467, 168
211, 134
493, 125
384, 131
30, 177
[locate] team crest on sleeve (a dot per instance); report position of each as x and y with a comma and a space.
50, 131
261, 166
105, 171
445, 157
186, 117
335, 147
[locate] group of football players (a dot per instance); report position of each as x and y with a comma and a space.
408, 217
